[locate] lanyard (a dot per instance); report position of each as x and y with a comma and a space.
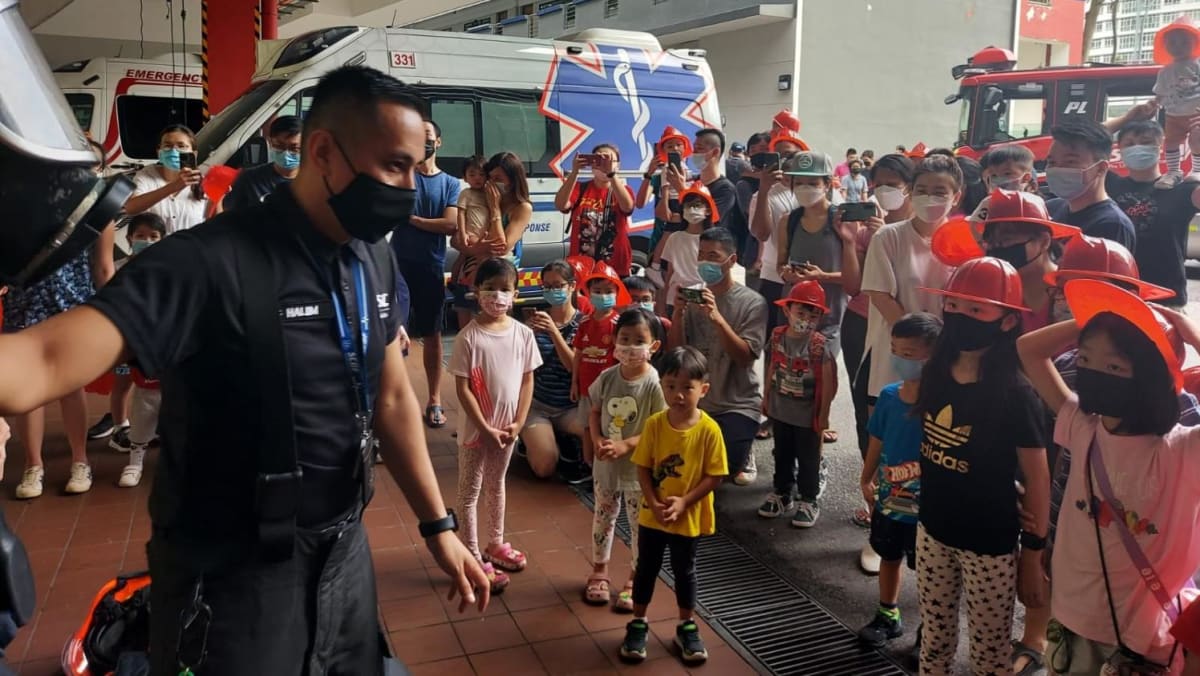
355, 359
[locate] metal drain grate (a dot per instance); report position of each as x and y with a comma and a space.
769, 621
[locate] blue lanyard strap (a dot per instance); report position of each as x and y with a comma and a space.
355, 359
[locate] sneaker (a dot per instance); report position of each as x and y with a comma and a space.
807, 514
822, 478
576, 473
31, 483
633, 648
687, 637
748, 474
868, 560
1169, 180
120, 440
132, 474
81, 479
101, 429
775, 505
881, 630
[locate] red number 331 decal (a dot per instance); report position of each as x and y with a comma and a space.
404, 60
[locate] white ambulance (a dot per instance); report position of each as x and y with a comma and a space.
543, 100
124, 103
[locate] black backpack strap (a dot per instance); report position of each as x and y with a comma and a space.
277, 490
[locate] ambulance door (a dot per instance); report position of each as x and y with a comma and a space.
86, 105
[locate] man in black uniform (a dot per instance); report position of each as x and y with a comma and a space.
269, 572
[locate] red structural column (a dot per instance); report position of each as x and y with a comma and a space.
228, 50
270, 19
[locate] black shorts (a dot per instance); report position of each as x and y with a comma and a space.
427, 291
893, 540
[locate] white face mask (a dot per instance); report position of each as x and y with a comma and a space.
890, 198
495, 303
808, 195
931, 208
694, 215
632, 355
802, 325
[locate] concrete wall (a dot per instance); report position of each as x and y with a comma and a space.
874, 73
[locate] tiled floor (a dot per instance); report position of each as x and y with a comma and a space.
538, 625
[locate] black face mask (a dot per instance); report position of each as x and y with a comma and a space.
430, 149
1104, 393
967, 335
1014, 254
855, 170
369, 209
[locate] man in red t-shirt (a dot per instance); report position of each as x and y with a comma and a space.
599, 209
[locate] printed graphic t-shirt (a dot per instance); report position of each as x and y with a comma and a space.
1156, 481
599, 228
594, 340
1161, 219
969, 464
624, 407
678, 460
899, 477
494, 362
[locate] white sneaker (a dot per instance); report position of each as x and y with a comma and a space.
31, 483
132, 474
869, 560
748, 474
81, 479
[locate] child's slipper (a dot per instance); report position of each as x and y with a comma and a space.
597, 591
624, 602
498, 579
504, 557
435, 417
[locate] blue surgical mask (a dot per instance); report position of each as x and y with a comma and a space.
604, 301
555, 297
169, 158
711, 272
284, 159
1140, 158
648, 306
697, 162
1066, 182
907, 369
139, 245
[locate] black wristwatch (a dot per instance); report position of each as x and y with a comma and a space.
648, 176
447, 523
611, 174
1032, 542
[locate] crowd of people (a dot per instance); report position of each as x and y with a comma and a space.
1016, 364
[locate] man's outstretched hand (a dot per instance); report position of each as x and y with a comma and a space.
467, 579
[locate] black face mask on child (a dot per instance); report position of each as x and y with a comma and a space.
1105, 393
967, 335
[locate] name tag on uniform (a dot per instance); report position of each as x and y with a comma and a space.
383, 302
298, 312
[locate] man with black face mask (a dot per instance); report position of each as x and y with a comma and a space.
274, 332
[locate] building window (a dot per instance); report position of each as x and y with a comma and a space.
1127, 42
569, 17
1147, 39
527, 9
1127, 24
1194, 14
501, 15
481, 21
548, 4
611, 8
1103, 26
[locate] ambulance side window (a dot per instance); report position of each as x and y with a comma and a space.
518, 126
83, 106
140, 119
457, 122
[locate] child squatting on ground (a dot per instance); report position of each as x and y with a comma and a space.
681, 460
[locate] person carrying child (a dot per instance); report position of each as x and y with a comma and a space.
800, 379
144, 230
493, 362
1128, 535
680, 461
622, 398
982, 422
1177, 88
891, 474
593, 343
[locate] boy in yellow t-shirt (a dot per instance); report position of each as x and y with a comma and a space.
681, 461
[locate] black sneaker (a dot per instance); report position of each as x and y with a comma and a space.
687, 637
120, 440
633, 648
881, 630
102, 429
575, 473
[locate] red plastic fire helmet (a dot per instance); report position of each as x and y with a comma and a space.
985, 280
808, 292
787, 136
786, 119
1098, 258
1011, 206
1183, 23
606, 272
700, 190
672, 134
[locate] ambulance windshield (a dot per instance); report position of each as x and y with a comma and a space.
229, 121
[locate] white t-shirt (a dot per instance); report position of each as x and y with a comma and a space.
494, 362
899, 263
782, 202
179, 211
1178, 88
682, 251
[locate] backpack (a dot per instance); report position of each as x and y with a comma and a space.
116, 630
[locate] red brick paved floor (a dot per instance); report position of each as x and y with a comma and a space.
538, 626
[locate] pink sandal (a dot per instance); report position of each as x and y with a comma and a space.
597, 591
498, 579
504, 557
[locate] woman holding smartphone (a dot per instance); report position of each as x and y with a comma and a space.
599, 209
170, 188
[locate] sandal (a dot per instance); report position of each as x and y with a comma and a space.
624, 602
861, 518
498, 579
1036, 666
597, 592
505, 557
435, 417
830, 436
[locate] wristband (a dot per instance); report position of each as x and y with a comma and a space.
611, 174
647, 176
447, 523
1032, 542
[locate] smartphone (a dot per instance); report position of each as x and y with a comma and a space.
187, 160
765, 160
675, 159
589, 159
527, 313
857, 211
692, 295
